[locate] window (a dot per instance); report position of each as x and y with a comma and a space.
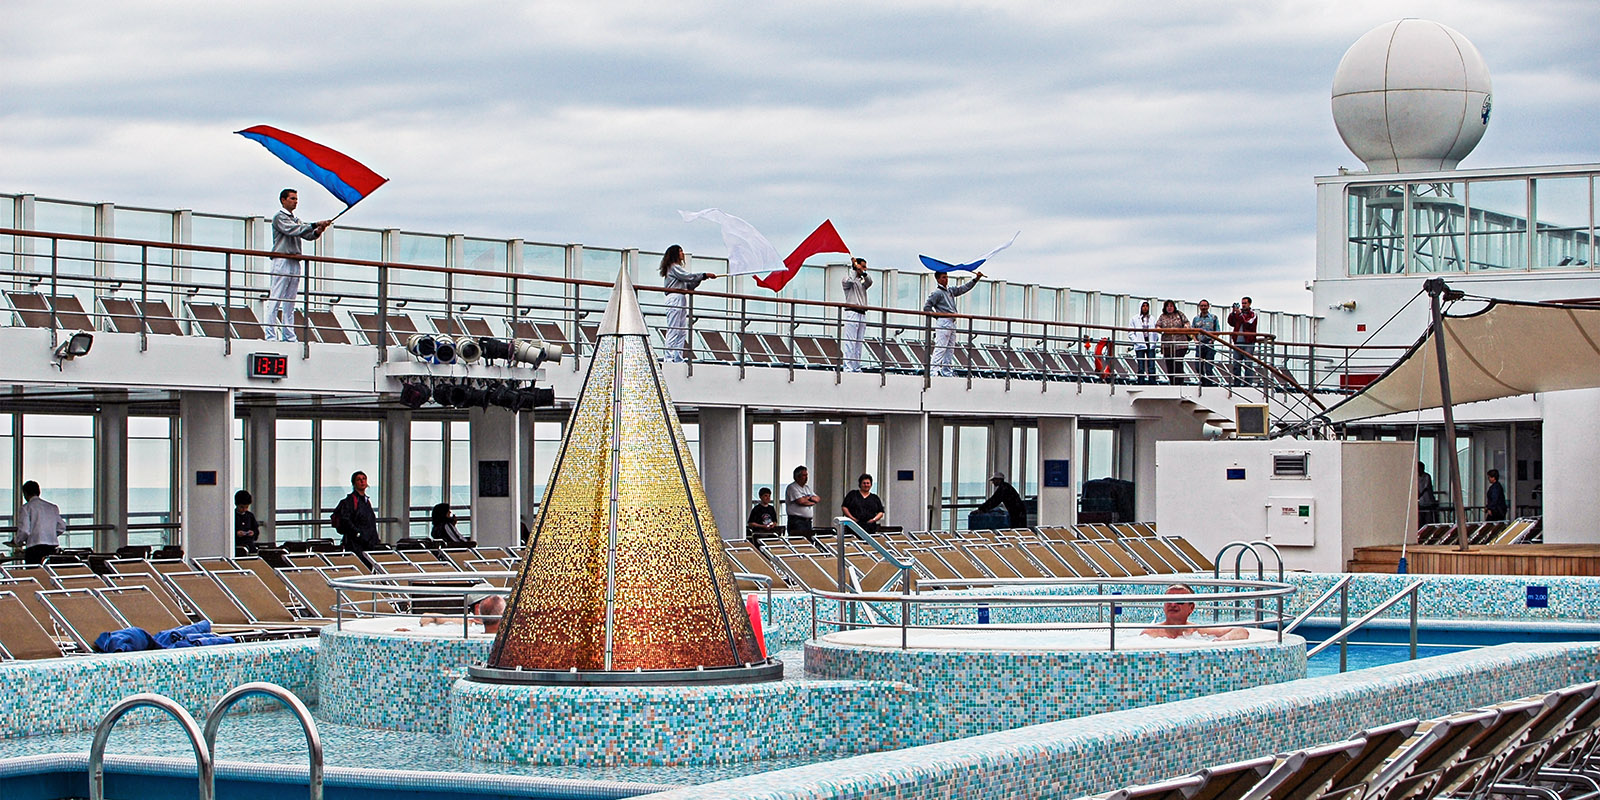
1437, 231
296, 479
1561, 206
427, 472
1373, 220
1499, 224
58, 453
150, 495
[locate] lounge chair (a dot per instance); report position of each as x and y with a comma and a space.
1226, 782
1191, 553
140, 606
808, 573
28, 589
156, 586
217, 323
748, 560
82, 615
1416, 770
755, 350
267, 574
400, 328
324, 325
1338, 771
22, 638
310, 584
260, 603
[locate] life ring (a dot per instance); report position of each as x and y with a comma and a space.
1100, 365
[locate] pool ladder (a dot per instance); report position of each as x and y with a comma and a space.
204, 744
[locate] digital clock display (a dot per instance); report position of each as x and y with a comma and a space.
269, 365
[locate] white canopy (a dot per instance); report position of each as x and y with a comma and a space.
1509, 348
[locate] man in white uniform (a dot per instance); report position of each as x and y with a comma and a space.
39, 526
942, 305
287, 231
855, 317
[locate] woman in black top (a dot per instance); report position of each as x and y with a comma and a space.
444, 525
863, 506
246, 530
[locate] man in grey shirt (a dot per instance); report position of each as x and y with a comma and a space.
287, 231
855, 317
799, 501
942, 304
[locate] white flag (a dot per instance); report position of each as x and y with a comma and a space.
749, 253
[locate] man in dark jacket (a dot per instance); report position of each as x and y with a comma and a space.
354, 518
1006, 495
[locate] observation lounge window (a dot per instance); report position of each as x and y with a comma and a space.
1499, 224
1374, 219
1438, 241
1564, 223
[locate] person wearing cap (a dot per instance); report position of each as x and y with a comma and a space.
1006, 495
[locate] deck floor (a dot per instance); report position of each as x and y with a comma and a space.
1510, 559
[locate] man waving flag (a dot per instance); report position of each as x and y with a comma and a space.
346, 178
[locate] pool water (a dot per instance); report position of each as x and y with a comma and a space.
1366, 656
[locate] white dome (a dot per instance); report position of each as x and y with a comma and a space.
1411, 96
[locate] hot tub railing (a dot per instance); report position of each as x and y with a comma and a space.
393, 594
972, 595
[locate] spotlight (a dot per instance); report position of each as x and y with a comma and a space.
442, 393
468, 350
535, 353
414, 394
421, 345
472, 396
444, 351
77, 344
458, 395
538, 397
495, 349
505, 396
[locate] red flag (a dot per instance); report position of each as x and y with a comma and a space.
822, 240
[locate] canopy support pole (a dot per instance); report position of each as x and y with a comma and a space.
1438, 291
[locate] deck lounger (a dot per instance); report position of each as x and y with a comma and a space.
717, 347
447, 327
400, 326
458, 558
1102, 561
157, 587
931, 565
1120, 555
315, 559
1564, 710
142, 608
167, 566
1227, 782
214, 563
27, 590
213, 323
495, 552
1020, 561
311, 584
260, 603
1570, 750
82, 615
884, 577
206, 597
1167, 553
781, 352
811, 350
746, 560
81, 582
1190, 552
158, 317
268, 576
59, 571
962, 563
22, 638
31, 309
1472, 772
991, 561
36, 572
122, 314
808, 574
325, 326
1416, 769
1141, 550
755, 352
1050, 561
1351, 779
879, 353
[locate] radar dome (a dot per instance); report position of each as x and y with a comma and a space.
1411, 96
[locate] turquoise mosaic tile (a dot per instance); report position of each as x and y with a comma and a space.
60, 695
392, 682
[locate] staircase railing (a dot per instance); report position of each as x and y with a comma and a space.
1344, 633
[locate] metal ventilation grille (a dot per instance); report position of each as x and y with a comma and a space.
1291, 465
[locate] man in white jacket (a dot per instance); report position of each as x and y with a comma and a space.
1145, 341
39, 526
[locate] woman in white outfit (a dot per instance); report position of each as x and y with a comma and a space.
676, 277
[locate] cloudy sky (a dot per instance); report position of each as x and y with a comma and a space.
1161, 148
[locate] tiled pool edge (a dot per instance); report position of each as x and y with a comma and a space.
1092, 754
62, 695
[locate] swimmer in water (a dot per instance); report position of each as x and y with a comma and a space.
1177, 616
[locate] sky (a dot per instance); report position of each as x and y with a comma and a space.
1157, 148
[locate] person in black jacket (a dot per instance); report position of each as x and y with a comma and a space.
354, 518
246, 530
1006, 495
1495, 502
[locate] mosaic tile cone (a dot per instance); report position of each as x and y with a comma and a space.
667, 592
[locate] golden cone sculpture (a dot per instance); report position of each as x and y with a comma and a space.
625, 570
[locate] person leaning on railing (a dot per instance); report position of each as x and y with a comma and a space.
1174, 345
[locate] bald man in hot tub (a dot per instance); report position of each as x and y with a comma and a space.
1177, 615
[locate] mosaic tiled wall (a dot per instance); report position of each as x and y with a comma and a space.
974, 692
1103, 752
391, 682
61, 695
669, 726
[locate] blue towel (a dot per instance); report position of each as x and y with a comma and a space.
197, 635
126, 640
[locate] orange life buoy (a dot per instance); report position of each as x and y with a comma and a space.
1100, 365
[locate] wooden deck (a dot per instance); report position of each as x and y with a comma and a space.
1511, 559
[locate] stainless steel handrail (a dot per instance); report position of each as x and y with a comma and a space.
1410, 590
1251, 590
1340, 586
843, 524
288, 698
102, 734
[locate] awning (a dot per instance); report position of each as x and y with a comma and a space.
1507, 349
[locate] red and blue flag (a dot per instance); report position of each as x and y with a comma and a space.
348, 179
